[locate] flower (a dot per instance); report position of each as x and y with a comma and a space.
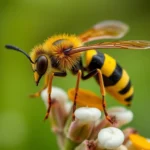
85, 119
110, 138
90, 131
122, 115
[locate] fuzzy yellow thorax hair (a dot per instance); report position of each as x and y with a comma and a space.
56, 45
36, 52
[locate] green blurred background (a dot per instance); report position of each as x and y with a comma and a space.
26, 23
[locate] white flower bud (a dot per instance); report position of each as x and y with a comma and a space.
110, 138
57, 94
86, 114
81, 128
123, 116
68, 107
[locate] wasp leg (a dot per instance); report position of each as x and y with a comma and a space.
79, 74
49, 95
60, 74
102, 89
37, 94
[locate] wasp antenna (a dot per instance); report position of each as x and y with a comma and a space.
11, 47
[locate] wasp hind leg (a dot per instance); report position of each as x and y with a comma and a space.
102, 90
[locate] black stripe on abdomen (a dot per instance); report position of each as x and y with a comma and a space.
114, 77
97, 61
126, 88
128, 99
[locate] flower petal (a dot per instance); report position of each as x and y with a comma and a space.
140, 142
86, 98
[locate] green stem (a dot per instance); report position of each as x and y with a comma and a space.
70, 145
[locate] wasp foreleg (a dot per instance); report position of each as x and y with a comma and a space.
49, 90
37, 94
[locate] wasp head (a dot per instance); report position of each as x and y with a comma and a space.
41, 63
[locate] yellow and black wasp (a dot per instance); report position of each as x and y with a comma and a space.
64, 52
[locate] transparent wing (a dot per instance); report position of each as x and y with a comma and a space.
134, 44
109, 29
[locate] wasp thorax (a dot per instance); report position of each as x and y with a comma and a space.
58, 45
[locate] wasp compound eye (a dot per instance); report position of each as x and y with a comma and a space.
42, 64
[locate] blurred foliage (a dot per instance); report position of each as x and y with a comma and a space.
26, 23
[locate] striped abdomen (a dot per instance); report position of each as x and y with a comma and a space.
116, 80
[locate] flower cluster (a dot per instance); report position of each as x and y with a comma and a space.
90, 130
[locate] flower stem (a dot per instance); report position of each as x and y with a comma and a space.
70, 145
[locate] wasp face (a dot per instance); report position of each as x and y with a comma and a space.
41, 65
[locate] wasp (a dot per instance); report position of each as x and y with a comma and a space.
62, 53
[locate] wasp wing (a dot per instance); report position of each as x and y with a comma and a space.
134, 44
109, 29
